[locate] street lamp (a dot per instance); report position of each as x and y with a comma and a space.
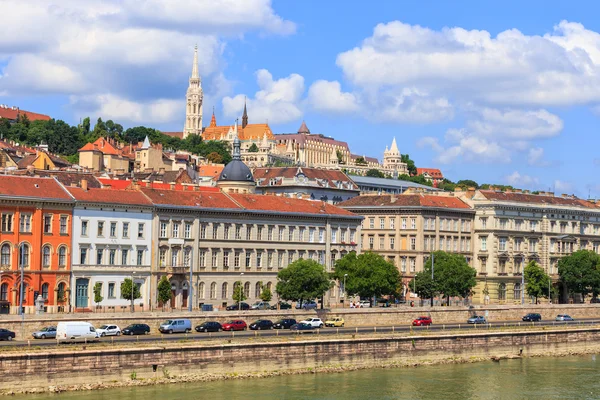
132, 291
432, 278
345, 275
522, 285
240, 297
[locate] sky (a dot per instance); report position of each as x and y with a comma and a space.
498, 92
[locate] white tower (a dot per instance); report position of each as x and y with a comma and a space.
193, 100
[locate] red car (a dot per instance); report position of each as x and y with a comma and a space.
235, 325
422, 321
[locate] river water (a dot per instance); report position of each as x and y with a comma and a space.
535, 378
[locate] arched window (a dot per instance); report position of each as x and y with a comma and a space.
502, 291
24, 255
257, 289
62, 256
4, 292
517, 291
270, 286
213, 290
60, 293
247, 289
224, 289
201, 290
5, 255
46, 256
45, 288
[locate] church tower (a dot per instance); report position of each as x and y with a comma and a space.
193, 100
245, 116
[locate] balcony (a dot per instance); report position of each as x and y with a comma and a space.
178, 270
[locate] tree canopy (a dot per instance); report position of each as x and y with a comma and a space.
416, 179
580, 272
238, 292
410, 164
130, 291
253, 148
536, 280
375, 173
302, 280
164, 291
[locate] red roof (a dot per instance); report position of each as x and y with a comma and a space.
12, 113
103, 145
433, 172
536, 199
112, 196
285, 204
202, 199
30, 187
115, 183
405, 200
213, 171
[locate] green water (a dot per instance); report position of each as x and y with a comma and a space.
540, 378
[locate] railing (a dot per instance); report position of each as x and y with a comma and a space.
178, 269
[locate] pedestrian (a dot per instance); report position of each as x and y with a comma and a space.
352, 304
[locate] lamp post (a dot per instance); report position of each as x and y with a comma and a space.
432, 278
240, 297
132, 291
522, 286
345, 275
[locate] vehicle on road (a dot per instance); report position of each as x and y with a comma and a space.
209, 326
314, 322
364, 304
307, 305
284, 323
261, 305
48, 332
75, 331
301, 327
235, 325
261, 324
237, 306
422, 321
335, 322
477, 319
532, 317
564, 317
108, 330
5, 334
176, 326
282, 306
136, 329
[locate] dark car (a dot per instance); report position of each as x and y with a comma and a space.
209, 326
237, 306
302, 327
532, 317
261, 324
284, 323
234, 325
595, 300
136, 329
282, 306
5, 334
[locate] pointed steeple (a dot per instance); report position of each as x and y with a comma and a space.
236, 146
394, 147
245, 115
303, 128
146, 144
193, 99
213, 119
195, 64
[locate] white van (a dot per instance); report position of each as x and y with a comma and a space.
71, 331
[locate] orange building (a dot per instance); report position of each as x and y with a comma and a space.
35, 234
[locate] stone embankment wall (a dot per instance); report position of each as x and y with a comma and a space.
353, 317
70, 367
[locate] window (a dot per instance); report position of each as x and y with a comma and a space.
518, 243
441, 243
176, 226
269, 259
202, 260
140, 231
215, 255
455, 225
99, 253
62, 256
174, 257
533, 225
24, 255
125, 229
248, 258
63, 224
483, 241
371, 223
257, 289
82, 255
163, 229
455, 244
448, 244
25, 223
248, 232
518, 224
7, 222
259, 233
187, 233
517, 291
381, 242
502, 244
113, 229
413, 223
238, 232
187, 257
311, 235
111, 290
47, 223
502, 291
201, 290
392, 223
5, 255
321, 235
291, 234
371, 240
483, 222
502, 223
413, 243
213, 290
100, 228
280, 233
403, 265
203, 231
334, 236
247, 289
280, 259
532, 245
381, 223
290, 257
224, 290
46, 256
4, 292
301, 234
403, 226
226, 258
443, 224
352, 235
426, 243
112, 254
259, 258
124, 255
84, 228
426, 224
392, 242
236, 259
413, 264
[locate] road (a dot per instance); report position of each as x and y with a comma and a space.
321, 332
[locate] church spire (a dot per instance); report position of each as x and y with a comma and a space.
213, 119
193, 99
245, 115
195, 64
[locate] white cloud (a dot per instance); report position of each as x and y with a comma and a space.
515, 124
521, 181
536, 157
277, 101
328, 97
563, 187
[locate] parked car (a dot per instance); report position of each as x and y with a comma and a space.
261, 324
5, 334
235, 325
209, 326
284, 323
532, 317
477, 319
75, 331
136, 329
422, 321
564, 317
48, 332
261, 305
335, 322
302, 327
282, 306
176, 326
307, 305
314, 322
235, 307
364, 304
109, 330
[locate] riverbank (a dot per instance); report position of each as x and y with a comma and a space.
73, 370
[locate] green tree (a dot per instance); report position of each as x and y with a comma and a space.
452, 274
302, 280
131, 291
375, 173
467, 183
253, 148
360, 161
85, 126
98, 293
369, 275
238, 292
214, 158
536, 280
339, 156
410, 164
164, 291
579, 272
265, 293
416, 179
423, 285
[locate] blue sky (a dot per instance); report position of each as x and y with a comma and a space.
504, 92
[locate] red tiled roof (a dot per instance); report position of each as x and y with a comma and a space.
68, 178
250, 132
30, 187
433, 172
405, 200
103, 145
536, 199
115, 183
11, 114
201, 199
263, 175
19, 149
284, 204
213, 171
112, 196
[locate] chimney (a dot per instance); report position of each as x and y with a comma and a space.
84, 184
